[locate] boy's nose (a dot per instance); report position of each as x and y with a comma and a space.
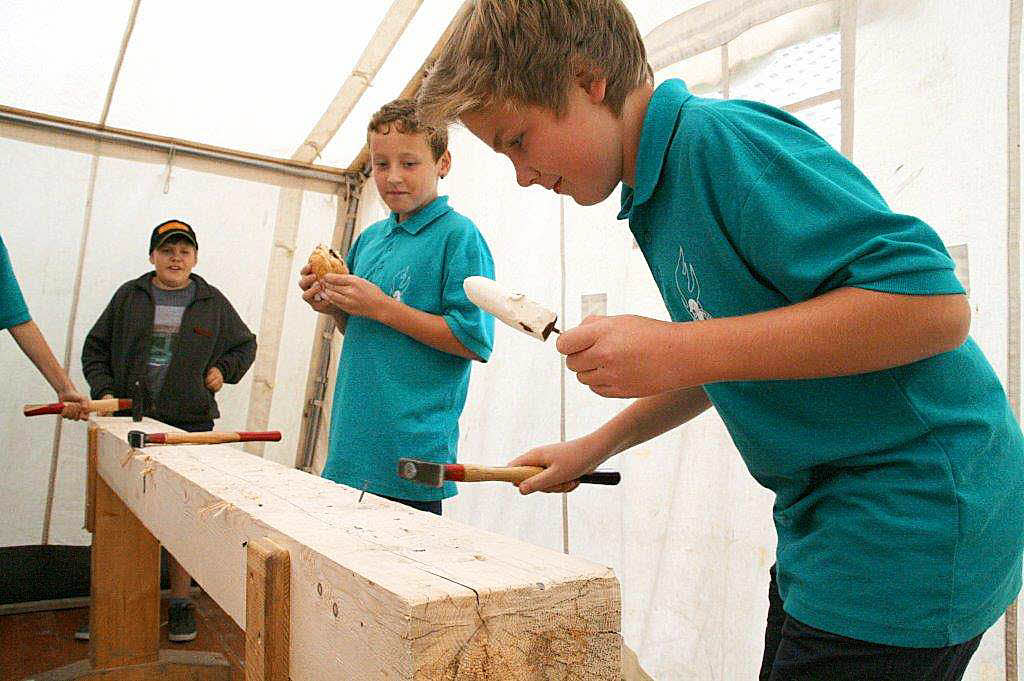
525, 177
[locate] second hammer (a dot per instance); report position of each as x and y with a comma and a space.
137, 438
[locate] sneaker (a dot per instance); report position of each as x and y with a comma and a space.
82, 634
181, 623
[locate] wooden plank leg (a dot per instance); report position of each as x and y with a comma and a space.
267, 611
124, 619
90, 477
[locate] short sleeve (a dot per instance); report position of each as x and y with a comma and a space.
813, 223
13, 310
467, 255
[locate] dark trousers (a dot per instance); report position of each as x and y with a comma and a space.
200, 427
428, 506
794, 651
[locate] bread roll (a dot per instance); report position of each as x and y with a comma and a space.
324, 260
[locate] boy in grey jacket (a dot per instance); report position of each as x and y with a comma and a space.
180, 340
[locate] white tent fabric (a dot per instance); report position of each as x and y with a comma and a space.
688, 532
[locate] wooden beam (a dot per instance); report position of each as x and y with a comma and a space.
124, 620
811, 102
267, 615
378, 590
362, 159
73, 126
390, 29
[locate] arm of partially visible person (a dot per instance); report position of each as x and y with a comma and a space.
643, 420
14, 316
236, 350
31, 341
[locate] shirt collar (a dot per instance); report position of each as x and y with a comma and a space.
659, 126
421, 218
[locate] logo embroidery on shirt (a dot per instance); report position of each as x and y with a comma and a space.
400, 282
688, 286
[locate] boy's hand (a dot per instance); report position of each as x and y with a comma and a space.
313, 292
214, 379
355, 295
75, 404
625, 355
563, 463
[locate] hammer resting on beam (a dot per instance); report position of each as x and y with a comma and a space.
137, 438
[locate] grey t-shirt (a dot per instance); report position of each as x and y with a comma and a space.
170, 308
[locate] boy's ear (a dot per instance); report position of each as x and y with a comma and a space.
594, 83
444, 164
151, 261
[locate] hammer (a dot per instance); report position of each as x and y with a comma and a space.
112, 404
434, 474
136, 438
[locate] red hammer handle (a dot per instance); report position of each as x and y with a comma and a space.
259, 436
41, 409
110, 404
212, 437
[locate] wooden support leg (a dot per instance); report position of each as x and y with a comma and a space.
267, 611
124, 619
90, 477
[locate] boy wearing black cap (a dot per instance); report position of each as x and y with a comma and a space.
179, 339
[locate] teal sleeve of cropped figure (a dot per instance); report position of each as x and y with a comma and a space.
467, 255
13, 310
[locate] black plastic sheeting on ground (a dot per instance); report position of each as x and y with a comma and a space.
45, 573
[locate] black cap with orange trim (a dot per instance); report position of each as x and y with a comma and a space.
165, 230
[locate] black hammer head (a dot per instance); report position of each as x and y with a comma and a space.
423, 472
136, 439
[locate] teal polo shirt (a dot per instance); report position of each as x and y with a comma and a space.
396, 397
13, 310
899, 494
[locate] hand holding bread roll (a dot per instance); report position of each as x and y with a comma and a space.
324, 260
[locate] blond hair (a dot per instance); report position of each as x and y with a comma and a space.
529, 52
402, 116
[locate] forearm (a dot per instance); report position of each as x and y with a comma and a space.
429, 329
647, 418
846, 331
31, 341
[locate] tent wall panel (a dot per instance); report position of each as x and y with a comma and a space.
233, 213
41, 235
933, 76
513, 403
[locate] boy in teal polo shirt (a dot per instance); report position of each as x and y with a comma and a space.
410, 332
828, 332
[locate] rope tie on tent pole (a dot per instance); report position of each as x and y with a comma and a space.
284, 246
170, 164
365, 76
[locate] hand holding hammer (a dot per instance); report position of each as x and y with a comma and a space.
107, 405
